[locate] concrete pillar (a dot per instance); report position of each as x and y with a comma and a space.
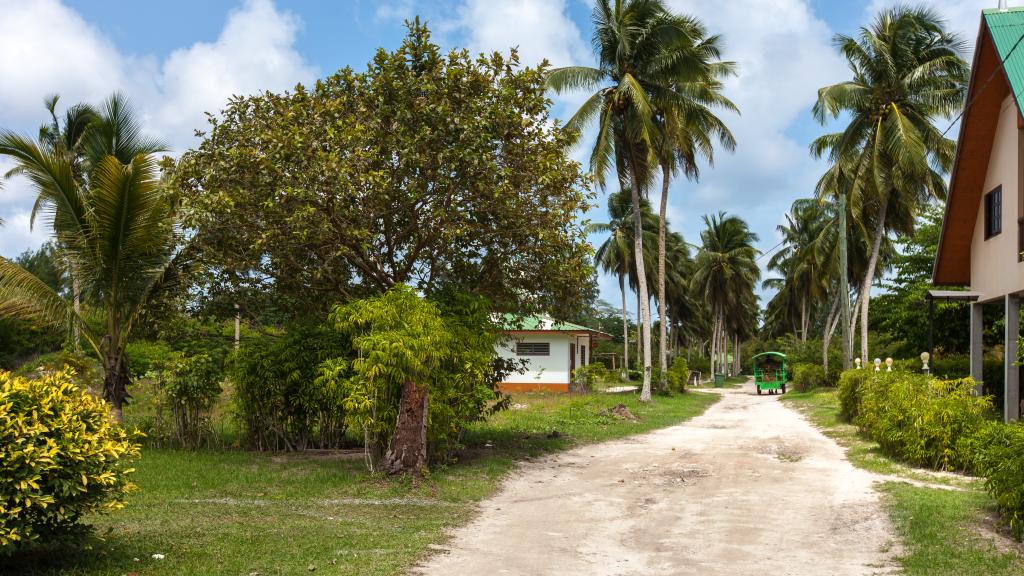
1011, 405
977, 329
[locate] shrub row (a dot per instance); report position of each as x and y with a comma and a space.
938, 423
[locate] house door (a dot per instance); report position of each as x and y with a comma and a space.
572, 359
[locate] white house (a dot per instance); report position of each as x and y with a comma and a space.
552, 348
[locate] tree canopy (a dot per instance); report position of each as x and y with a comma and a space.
441, 171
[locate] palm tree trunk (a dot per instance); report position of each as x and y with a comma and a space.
76, 296
869, 276
639, 340
662, 356
713, 353
115, 383
803, 320
830, 325
625, 328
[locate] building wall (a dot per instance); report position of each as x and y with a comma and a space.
546, 373
995, 267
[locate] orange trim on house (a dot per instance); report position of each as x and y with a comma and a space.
509, 387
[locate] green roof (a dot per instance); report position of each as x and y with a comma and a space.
542, 323
1007, 27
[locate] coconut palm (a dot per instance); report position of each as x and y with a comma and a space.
725, 274
907, 73
687, 131
67, 140
116, 228
615, 255
637, 44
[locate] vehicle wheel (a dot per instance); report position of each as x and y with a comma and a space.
758, 390
783, 388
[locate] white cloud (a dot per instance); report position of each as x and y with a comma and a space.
48, 48
962, 16
539, 28
784, 55
254, 52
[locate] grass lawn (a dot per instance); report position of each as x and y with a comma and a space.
942, 530
242, 513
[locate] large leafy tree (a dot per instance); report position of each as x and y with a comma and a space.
436, 170
641, 49
907, 73
115, 227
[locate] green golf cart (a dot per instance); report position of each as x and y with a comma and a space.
770, 372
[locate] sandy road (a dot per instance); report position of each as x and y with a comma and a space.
749, 487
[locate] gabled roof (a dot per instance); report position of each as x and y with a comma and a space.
521, 323
998, 70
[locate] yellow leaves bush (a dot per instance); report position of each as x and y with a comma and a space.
61, 457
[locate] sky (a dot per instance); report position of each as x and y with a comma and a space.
180, 60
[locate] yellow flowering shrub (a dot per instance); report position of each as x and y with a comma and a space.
61, 457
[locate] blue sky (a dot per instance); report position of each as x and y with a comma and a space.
180, 59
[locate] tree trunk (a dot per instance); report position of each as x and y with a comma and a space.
869, 277
737, 365
639, 340
408, 451
115, 384
662, 327
625, 328
803, 320
76, 297
830, 325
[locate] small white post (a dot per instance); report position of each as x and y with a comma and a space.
888, 364
857, 361
878, 364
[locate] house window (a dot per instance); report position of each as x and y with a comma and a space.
994, 212
533, 349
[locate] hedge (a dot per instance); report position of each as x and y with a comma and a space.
940, 423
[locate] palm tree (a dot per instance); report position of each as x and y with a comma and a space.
907, 73
688, 128
725, 274
66, 140
637, 43
615, 256
117, 231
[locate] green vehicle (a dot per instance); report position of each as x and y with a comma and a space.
770, 372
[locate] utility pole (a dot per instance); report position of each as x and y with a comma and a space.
844, 284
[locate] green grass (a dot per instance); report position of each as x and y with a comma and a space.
239, 513
940, 529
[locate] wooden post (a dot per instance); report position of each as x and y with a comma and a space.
1011, 382
977, 328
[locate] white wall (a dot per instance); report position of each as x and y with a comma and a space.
553, 369
995, 270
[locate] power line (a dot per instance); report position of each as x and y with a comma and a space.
968, 105
769, 251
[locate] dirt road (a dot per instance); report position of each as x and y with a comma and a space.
750, 487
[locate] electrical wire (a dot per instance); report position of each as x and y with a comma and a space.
981, 90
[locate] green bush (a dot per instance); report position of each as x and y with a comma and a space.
590, 376
849, 392
191, 391
678, 374
276, 396
150, 356
1000, 459
920, 419
807, 377
61, 457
